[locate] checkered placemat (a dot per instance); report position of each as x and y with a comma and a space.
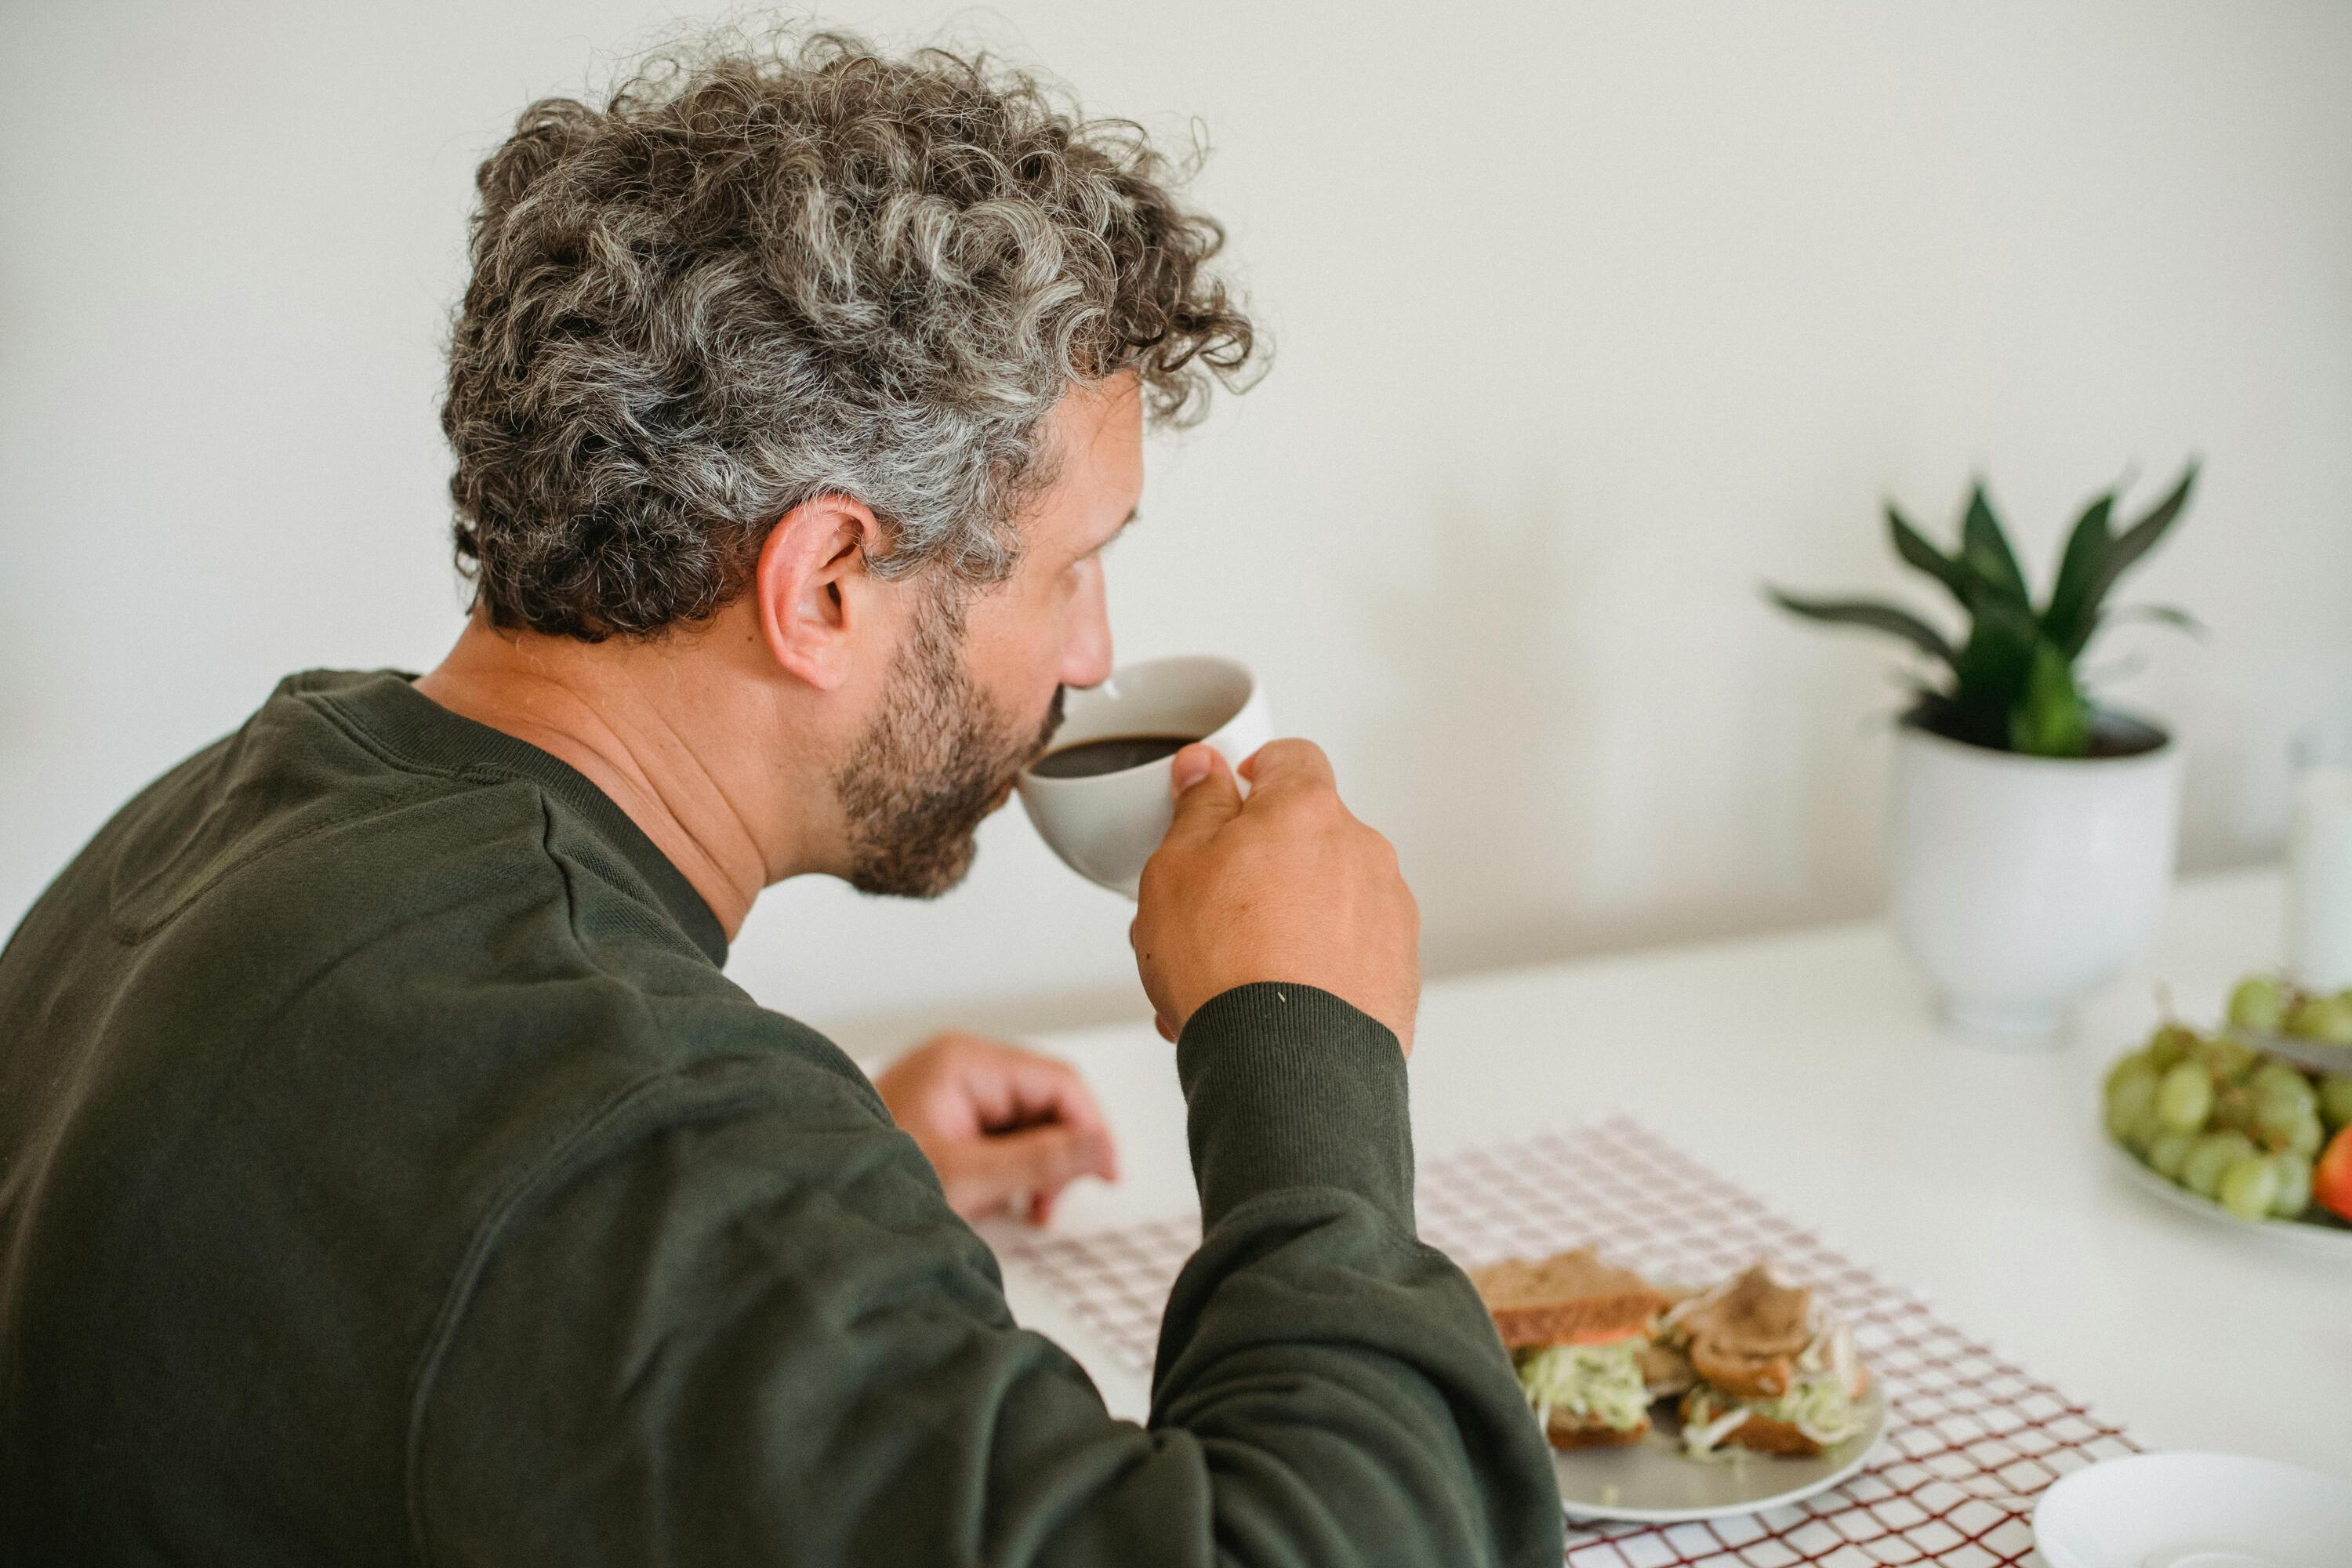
1970, 1440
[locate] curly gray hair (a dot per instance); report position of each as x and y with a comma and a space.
764, 273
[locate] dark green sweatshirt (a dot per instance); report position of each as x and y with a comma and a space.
389, 1175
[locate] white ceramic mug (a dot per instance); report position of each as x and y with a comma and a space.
1106, 826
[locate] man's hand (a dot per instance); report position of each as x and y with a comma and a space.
1005, 1127
1285, 886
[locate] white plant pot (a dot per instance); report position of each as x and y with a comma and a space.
2021, 883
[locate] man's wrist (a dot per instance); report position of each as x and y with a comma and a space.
1287, 1085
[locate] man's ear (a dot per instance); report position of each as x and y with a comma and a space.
817, 602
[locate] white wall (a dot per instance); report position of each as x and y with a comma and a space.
1589, 317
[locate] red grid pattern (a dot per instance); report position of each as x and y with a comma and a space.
1970, 1440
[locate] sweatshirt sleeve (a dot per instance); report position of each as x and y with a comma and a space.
748, 1329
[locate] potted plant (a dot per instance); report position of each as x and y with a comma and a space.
2034, 829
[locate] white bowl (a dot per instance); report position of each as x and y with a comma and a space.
2195, 1510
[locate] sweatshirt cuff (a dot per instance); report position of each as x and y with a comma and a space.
1286, 1086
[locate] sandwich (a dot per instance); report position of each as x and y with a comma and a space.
1577, 1330
1772, 1372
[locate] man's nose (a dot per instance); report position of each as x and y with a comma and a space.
1086, 659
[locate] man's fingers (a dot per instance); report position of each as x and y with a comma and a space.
1190, 765
1206, 795
1014, 1086
1034, 1161
1285, 764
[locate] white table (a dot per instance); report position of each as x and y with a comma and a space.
1807, 1067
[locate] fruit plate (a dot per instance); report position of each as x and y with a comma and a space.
1652, 1481
2311, 1235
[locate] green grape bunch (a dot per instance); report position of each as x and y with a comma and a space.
2215, 1114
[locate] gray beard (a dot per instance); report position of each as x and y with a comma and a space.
929, 768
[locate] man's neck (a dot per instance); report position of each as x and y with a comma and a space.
667, 746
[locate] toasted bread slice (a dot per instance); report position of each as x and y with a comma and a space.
1570, 1298
1568, 1431
1750, 1376
1761, 1433
1750, 1314
1767, 1436
1745, 1335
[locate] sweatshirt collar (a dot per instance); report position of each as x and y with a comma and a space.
388, 705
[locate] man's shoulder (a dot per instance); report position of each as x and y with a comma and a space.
314, 831
296, 804
311, 876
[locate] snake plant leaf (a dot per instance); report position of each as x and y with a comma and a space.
2052, 720
1969, 723
1997, 658
2013, 682
2087, 549
1984, 549
1872, 614
2128, 547
1913, 547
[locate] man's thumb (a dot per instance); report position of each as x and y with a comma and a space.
1206, 795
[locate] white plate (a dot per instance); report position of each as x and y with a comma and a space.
2194, 1511
2297, 1232
1652, 1481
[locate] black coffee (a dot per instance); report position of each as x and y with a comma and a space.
1107, 755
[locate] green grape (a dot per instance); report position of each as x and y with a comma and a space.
2233, 1107
2304, 1136
2325, 1018
2258, 1004
2184, 1097
2284, 1080
2274, 1115
2210, 1155
2282, 1120
2167, 1149
2295, 1185
2131, 1095
2168, 1045
2336, 1098
2250, 1186
2126, 1064
2228, 1058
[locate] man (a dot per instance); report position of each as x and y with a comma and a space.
390, 1173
